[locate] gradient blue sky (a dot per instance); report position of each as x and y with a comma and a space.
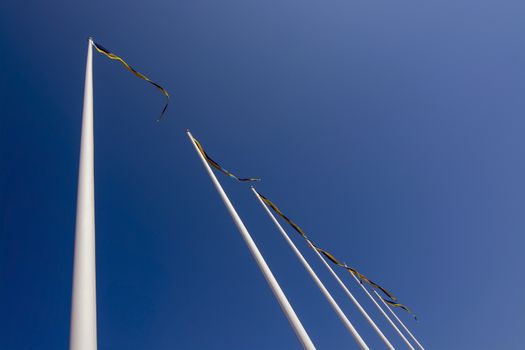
392, 131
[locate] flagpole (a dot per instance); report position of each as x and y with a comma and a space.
296, 324
83, 326
384, 313
399, 320
353, 299
314, 276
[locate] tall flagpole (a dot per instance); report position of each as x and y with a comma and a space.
400, 322
314, 276
296, 324
83, 327
384, 313
353, 299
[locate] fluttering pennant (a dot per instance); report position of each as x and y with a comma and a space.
353, 271
112, 56
393, 300
220, 168
399, 305
280, 213
328, 255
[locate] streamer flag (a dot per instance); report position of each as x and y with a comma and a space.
220, 168
399, 305
328, 255
355, 272
112, 56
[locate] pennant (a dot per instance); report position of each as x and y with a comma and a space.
112, 56
220, 168
328, 255
280, 213
353, 271
399, 305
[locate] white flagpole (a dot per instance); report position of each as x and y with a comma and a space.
384, 313
83, 327
296, 324
314, 276
354, 300
401, 322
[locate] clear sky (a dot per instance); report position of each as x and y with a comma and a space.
391, 131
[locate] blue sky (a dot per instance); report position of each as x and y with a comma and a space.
392, 132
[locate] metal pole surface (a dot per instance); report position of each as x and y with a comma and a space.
354, 300
314, 276
83, 326
400, 322
384, 313
296, 324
